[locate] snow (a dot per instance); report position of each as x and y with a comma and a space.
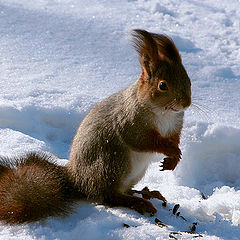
60, 57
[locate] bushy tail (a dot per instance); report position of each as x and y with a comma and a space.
32, 188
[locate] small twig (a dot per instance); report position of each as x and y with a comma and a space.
127, 226
176, 207
203, 196
183, 218
160, 223
171, 235
193, 228
198, 236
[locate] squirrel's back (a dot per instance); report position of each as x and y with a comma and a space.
32, 188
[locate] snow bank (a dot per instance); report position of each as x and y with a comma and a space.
211, 156
14, 143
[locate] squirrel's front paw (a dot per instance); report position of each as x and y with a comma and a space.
171, 150
169, 163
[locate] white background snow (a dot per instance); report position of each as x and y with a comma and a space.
60, 57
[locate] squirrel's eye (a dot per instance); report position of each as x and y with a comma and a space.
163, 86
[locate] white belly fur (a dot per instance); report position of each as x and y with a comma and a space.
140, 162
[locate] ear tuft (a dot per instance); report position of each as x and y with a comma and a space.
154, 47
147, 49
166, 47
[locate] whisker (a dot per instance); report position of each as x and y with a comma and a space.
208, 109
173, 103
197, 98
201, 113
166, 104
205, 111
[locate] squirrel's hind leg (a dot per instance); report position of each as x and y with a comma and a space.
147, 194
136, 203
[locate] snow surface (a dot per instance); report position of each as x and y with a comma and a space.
60, 57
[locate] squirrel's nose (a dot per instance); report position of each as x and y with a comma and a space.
186, 102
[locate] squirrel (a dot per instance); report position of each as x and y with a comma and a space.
113, 145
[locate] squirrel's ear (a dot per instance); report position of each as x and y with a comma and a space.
166, 48
147, 49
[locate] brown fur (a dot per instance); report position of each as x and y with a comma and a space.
152, 141
33, 188
136, 203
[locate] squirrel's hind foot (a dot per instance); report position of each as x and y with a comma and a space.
147, 194
138, 204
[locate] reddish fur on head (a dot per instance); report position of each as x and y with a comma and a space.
152, 48
161, 61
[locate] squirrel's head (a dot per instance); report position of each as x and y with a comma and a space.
164, 81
